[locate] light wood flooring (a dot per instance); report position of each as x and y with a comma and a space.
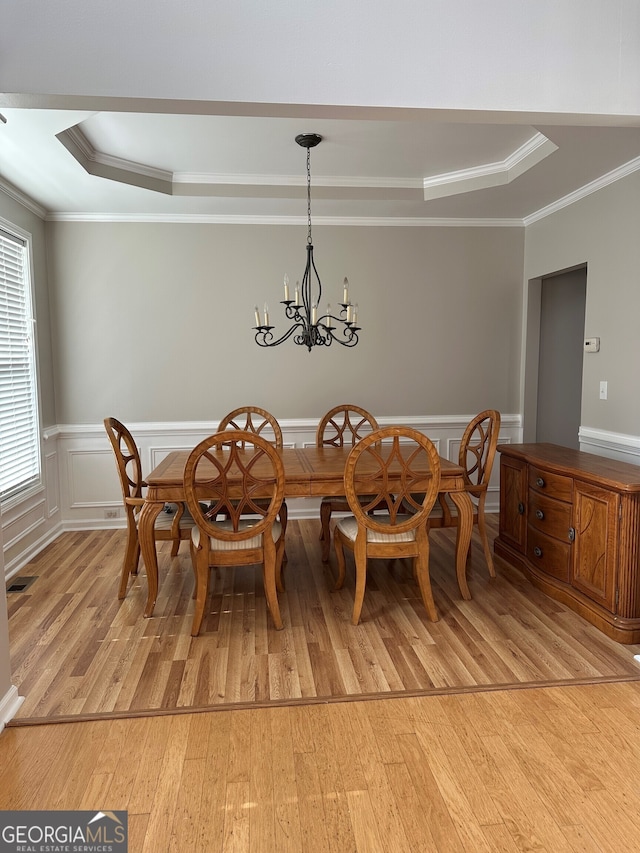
552, 770
77, 652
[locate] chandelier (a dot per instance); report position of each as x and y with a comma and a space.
310, 327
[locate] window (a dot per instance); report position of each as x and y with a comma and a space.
19, 431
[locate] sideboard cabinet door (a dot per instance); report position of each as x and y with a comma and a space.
595, 554
513, 501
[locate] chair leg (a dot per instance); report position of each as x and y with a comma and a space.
175, 529
421, 568
131, 558
447, 519
325, 530
269, 577
482, 530
280, 555
338, 544
283, 516
360, 556
192, 552
201, 567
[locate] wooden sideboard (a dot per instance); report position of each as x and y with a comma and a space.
571, 522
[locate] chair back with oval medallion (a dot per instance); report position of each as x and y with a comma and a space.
392, 466
234, 485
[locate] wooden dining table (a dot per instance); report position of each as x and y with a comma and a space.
309, 472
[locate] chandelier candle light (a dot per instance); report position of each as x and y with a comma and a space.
309, 328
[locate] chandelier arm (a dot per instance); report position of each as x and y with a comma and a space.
264, 335
351, 340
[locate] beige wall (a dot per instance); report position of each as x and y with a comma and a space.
601, 230
152, 322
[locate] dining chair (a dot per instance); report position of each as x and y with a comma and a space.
173, 524
344, 424
238, 475
476, 456
413, 461
256, 420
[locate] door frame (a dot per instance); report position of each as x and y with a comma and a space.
531, 349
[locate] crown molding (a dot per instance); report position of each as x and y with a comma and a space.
221, 219
14, 193
490, 174
567, 200
113, 168
206, 178
96, 162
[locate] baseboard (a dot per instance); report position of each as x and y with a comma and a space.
15, 566
9, 705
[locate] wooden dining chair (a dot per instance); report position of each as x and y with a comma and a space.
240, 476
174, 524
476, 456
344, 424
258, 421
393, 533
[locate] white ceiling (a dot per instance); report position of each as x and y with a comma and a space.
189, 112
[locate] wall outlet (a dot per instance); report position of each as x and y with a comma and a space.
592, 345
603, 389
111, 513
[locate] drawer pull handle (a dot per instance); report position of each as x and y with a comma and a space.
572, 534
539, 514
540, 482
521, 508
537, 551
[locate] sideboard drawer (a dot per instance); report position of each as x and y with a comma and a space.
558, 485
549, 516
552, 556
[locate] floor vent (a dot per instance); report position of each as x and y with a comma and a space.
21, 583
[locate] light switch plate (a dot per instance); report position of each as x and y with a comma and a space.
592, 345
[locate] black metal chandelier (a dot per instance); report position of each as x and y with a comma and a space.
310, 328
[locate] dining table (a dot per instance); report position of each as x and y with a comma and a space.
309, 472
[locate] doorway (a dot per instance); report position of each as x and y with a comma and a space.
560, 357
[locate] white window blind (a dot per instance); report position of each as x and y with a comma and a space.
19, 443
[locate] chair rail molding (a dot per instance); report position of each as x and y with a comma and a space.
615, 445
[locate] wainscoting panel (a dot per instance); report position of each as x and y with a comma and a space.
81, 491
34, 520
88, 468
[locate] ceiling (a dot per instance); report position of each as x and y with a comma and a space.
110, 164
430, 112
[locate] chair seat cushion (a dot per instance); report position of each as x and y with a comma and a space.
238, 544
165, 519
349, 528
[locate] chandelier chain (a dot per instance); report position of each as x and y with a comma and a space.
309, 196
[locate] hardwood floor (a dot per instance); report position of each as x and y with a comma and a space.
552, 770
77, 652
277, 759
